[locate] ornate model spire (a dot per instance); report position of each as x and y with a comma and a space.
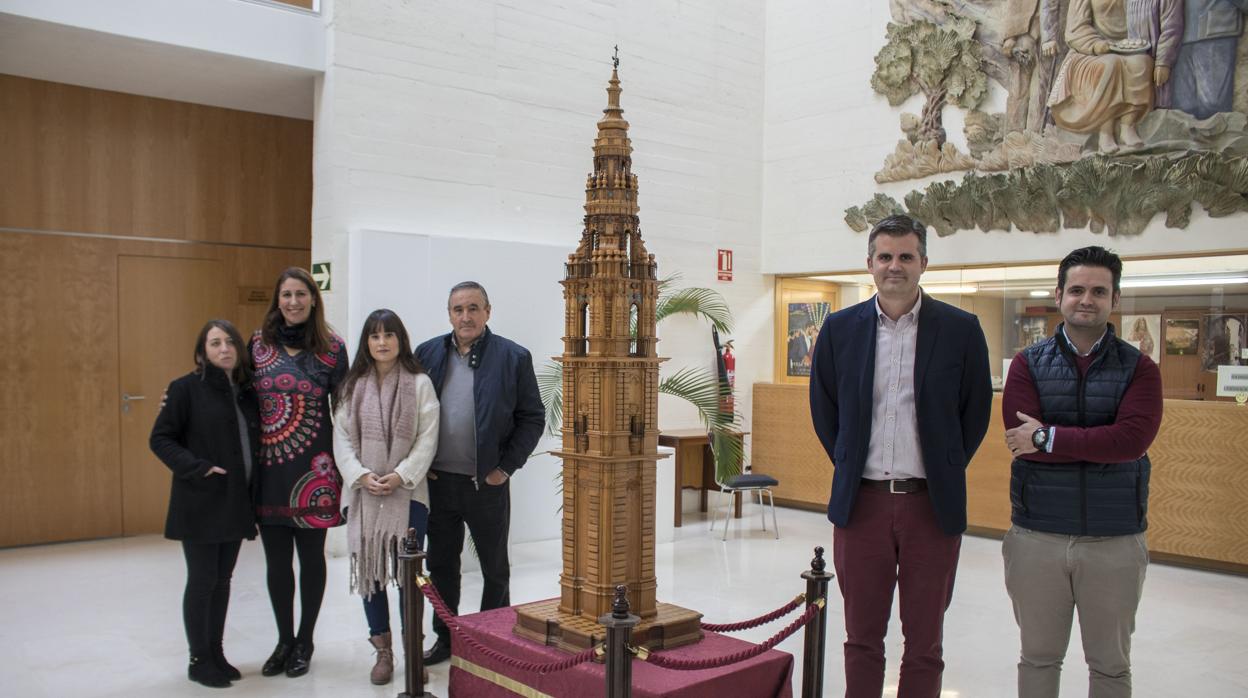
611, 223
610, 426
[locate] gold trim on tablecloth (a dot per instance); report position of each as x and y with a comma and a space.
497, 679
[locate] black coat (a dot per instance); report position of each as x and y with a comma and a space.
197, 429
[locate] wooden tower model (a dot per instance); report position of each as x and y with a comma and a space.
610, 408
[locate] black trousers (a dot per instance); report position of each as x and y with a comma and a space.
209, 567
453, 502
280, 544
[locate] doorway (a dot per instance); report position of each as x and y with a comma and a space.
162, 304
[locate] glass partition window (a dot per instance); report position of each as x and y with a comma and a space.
1189, 314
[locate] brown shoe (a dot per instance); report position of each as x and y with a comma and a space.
383, 670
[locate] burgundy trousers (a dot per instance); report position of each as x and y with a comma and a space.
893, 540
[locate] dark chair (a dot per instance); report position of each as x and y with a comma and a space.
733, 476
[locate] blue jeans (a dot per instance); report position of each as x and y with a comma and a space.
377, 606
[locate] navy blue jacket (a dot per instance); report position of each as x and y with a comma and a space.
953, 401
510, 415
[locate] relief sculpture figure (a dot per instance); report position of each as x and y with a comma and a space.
1105, 84
1027, 88
1204, 73
1160, 23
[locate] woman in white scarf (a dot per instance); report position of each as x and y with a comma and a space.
385, 436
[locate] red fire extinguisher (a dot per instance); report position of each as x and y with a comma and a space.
730, 365
730, 373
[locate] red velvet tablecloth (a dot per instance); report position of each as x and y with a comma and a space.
474, 675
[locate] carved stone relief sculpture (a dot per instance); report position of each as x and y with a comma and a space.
1126, 80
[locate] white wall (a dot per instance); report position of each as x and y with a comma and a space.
412, 274
475, 119
826, 134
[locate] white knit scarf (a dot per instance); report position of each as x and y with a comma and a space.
383, 431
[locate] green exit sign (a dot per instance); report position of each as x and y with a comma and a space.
321, 275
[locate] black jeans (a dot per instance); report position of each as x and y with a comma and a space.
280, 543
453, 502
209, 567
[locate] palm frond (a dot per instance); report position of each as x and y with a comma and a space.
702, 388
702, 302
550, 387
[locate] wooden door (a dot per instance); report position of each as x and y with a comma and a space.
162, 304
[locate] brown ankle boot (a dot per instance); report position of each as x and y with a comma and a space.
383, 670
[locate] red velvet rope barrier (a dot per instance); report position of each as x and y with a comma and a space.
659, 660
755, 622
440, 607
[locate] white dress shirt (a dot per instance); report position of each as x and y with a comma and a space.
893, 452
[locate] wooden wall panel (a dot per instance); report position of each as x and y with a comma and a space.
784, 445
83, 160
1197, 511
1197, 506
59, 419
988, 479
58, 376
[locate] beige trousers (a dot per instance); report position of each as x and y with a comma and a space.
1050, 576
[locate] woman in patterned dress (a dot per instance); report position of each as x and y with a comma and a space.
299, 362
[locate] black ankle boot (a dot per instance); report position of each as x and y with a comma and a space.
203, 671
300, 660
218, 658
276, 663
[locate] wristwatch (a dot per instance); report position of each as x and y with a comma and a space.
1039, 438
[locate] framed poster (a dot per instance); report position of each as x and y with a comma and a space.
804, 321
1222, 340
801, 306
1181, 336
1144, 333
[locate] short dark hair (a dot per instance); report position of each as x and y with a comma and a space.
465, 286
241, 375
1093, 256
898, 225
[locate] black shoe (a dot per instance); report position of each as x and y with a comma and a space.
440, 652
276, 663
218, 658
299, 660
201, 670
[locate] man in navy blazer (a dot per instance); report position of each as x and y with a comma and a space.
900, 395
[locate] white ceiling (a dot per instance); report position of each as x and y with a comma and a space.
60, 53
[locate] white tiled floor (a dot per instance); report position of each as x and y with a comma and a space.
103, 618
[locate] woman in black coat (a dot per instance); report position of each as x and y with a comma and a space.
208, 433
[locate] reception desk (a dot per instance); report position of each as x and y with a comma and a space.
1198, 503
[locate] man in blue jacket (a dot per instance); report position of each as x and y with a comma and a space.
900, 395
491, 420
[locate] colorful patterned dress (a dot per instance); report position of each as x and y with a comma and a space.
299, 483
